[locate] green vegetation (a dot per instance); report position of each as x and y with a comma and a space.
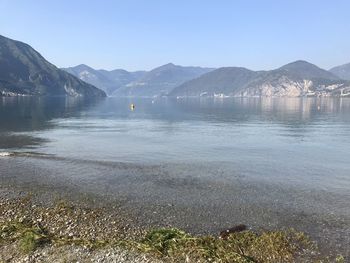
30, 227
246, 246
174, 245
29, 236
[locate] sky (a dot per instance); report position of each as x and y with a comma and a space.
144, 34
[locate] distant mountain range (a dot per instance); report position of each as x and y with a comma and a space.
299, 78
109, 81
296, 79
159, 81
23, 71
342, 71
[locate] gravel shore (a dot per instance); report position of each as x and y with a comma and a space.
125, 200
71, 222
72, 254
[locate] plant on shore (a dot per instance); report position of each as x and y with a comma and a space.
29, 236
246, 246
30, 229
340, 259
175, 245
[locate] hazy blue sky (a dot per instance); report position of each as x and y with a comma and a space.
144, 34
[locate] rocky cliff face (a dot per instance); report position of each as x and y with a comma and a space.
285, 87
23, 71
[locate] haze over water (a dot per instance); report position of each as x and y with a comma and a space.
211, 157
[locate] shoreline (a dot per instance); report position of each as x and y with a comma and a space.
198, 207
34, 229
75, 230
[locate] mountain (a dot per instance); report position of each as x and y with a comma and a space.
305, 70
220, 81
109, 81
342, 71
90, 76
23, 71
161, 80
296, 79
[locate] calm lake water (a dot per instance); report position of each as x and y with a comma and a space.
264, 162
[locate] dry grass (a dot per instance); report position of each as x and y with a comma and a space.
246, 246
174, 245
168, 244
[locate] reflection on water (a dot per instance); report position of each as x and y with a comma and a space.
308, 136
19, 115
22, 118
270, 109
33, 113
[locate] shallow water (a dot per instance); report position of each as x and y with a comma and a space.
264, 162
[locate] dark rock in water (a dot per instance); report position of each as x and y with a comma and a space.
23, 71
239, 228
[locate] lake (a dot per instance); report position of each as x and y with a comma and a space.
200, 164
